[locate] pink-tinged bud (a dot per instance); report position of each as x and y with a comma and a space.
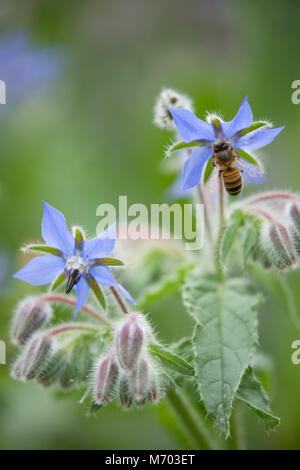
130, 338
295, 218
106, 376
125, 394
294, 214
282, 245
139, 380
155, 390
36, 356
30, 315
17, 369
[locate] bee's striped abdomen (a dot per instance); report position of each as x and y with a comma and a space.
233, 181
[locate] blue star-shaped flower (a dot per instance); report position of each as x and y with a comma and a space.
82, 262
235, 132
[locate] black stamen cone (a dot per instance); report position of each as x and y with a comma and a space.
73, 278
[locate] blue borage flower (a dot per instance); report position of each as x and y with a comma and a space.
83, 262
242, 133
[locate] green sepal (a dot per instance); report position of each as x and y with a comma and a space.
58, 281
109, 261
254, 126
42, 248
183, 145
98, 292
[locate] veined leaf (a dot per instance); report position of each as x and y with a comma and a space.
42, 248
254, 126
171, 360
224, 339
252, 393
183, 145
98, 292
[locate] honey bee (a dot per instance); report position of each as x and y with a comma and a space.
229, 166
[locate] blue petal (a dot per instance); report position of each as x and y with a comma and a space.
257, 139
242, 120
101, 246
55, 231
190, 127
103, 275
82, 293
194, 165
126, 294
41, 270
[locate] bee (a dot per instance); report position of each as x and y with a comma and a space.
229, 166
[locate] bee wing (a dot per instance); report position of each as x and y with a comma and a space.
213, 181
252, 172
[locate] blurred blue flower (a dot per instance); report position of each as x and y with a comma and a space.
193, 129
26, 68
82, 263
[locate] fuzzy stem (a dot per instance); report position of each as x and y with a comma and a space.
119, 299
221, 196
69, 300
237, 438
186, 414
202, 199
272, 195
72, 326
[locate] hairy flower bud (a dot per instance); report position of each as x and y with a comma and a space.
155, 389
139, 380
130, 338
36, 356
106, 375
125, 394
282, 246
30, 315
294, 214
169, 98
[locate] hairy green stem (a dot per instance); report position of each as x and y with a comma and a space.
72, 326
186, 414
237, 437
119, 299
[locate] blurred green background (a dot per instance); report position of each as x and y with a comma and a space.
79, 132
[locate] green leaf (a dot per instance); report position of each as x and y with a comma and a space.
72, 362
109, 261
254, 126
251, 237
182, 145
42, 248
224, 339
171, 360
252, 393
230, 233
279, 289
58, 281
98, 292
